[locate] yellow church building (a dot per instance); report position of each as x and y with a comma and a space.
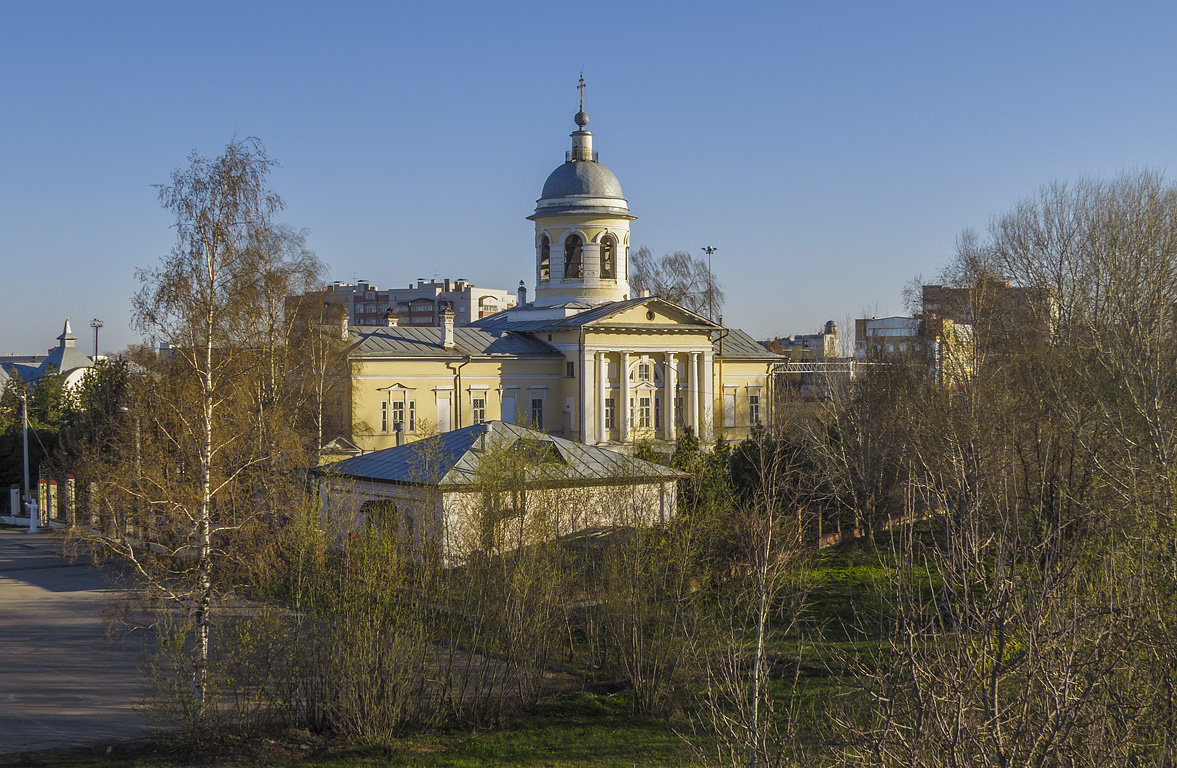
586, 360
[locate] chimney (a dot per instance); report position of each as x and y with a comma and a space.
343, 326
390, 318
521, 296
447, 285
447, 328
399, 428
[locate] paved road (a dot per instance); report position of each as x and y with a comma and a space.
61, 682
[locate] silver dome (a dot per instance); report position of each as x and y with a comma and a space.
581, 178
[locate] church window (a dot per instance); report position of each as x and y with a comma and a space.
610, 413
644, 371
545, 259
573, 252
478, 408
680, 412
657, 413
537, 412
384, 418
753, 408
570, 369
643, 412
608, 257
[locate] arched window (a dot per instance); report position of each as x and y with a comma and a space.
545, 259
609, 257
573, 249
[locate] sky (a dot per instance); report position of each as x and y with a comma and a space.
831, 152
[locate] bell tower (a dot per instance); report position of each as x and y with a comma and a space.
581, 228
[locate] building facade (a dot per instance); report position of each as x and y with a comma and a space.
586, 359
817, 347
422, 304
493, 487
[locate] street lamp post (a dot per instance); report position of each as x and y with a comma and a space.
707, 249
96, 323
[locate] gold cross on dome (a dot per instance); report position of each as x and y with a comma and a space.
581, 89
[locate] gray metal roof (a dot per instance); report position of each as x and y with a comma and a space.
503, 321
582, 178
455, 459
425, 341
739, 345
65, 359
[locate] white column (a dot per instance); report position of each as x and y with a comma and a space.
588, 423
707, 408
623, 406
669, 388
601, 369
693, 392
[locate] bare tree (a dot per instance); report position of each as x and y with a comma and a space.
1035, 626
679, 277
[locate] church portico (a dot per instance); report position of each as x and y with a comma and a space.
636, 393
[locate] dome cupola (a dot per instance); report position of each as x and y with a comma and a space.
582, 227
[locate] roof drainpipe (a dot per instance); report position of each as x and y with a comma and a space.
458, 388
718, 357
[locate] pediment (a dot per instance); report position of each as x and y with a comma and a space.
653, 312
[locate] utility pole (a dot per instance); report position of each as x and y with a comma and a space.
96, 323
34, 514
707, 249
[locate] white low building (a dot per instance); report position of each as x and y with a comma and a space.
492, 488
65, 359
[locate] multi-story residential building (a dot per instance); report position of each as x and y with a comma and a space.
421, 304
817, 347
882, 337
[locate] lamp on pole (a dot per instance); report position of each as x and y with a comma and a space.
96, 323
707, 249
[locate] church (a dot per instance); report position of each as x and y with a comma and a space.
585, 359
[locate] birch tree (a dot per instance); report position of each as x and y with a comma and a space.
211, 457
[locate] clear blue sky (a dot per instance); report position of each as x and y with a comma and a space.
830, 151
